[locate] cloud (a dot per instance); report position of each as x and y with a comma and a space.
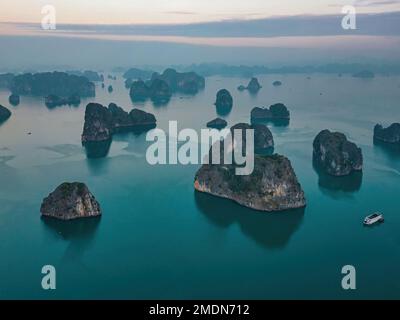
375, 3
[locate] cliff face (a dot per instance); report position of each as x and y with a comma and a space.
70, 201
335, 155
273, 185
157, 90
390, 134
98, 123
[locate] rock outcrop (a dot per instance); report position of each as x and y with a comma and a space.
335, 155
14, 99
4, 114
70, 201
277, 111
263, 139
217, 123
110, 88
390, 134
273, 185
254, 86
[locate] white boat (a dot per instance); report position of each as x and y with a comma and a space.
373, 218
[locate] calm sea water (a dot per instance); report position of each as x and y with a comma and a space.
157, 238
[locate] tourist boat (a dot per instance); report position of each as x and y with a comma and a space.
373, 218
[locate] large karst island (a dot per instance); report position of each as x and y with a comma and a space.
335, 155
70, 201
272, 186
102, 122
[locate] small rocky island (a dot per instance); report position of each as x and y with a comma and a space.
110, 88
14, 99
335, 155
263, 139
390, 134
217, 123
70, 201
253, 86
224, 101
277, 83
273, 185
277, 111
4, 114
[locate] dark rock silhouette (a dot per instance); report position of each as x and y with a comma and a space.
52, 83
14, 99
102, 122
217, 123
277, 113
4, 114
254, 86
390, 134
277, 83
335, 155
110, 88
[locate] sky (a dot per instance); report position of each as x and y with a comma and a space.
178, 11
109, 33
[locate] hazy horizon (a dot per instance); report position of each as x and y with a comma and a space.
208, 33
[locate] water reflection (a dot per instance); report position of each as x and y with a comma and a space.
79, 233
274, 122
390, 149
336, 186
269, 230
97, 149
223, 111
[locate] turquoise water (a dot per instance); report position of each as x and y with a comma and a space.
158, 239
